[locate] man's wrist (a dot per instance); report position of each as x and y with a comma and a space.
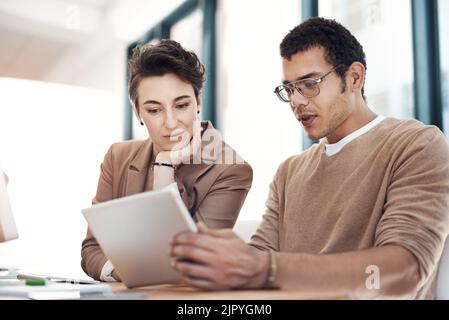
272, 272
262, 270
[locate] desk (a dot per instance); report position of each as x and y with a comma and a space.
183, 292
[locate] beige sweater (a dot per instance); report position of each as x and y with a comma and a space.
388, 186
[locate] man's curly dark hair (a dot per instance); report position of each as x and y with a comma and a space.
342, 48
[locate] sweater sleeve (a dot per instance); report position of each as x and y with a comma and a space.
416, 209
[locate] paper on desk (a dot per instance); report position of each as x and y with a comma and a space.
8, 273
54, 290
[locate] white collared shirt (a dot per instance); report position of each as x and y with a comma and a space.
334, 148
106, 272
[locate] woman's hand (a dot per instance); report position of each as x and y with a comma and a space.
184, 154
163, 175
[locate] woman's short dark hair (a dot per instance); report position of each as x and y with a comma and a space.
167, 56
342, 48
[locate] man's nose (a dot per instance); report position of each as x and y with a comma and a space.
297, 100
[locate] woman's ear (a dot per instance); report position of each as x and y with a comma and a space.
198, 103
137, 113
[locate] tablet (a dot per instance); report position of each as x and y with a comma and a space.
134, 231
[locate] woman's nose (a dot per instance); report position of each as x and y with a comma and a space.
171, 121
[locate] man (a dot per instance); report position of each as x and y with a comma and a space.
362, 214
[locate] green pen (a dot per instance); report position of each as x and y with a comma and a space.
35, 282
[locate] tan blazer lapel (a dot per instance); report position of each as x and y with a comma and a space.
138, 169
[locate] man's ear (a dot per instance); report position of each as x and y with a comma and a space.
356, 76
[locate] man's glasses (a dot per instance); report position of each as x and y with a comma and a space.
309, 88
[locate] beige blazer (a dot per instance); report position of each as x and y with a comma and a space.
213, 193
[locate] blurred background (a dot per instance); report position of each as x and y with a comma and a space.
63, 97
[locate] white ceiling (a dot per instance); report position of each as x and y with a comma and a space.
39, 36
27, 56
99, 4
34, 35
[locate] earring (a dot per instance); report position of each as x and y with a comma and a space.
198, 112
141, 122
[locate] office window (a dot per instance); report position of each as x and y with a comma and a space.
189, 31
252, 119
384, 29
443, 10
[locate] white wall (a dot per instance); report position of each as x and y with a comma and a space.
253, 120
52, 142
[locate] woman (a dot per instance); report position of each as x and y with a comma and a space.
165, 84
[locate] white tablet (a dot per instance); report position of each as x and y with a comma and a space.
134, 232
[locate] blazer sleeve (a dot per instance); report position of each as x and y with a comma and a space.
92, 257
221, 206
